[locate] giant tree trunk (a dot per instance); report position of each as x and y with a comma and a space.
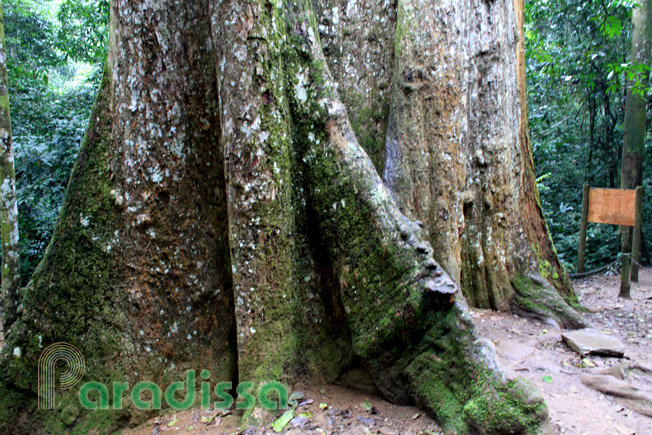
223, 213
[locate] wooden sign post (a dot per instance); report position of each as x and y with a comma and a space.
615, 207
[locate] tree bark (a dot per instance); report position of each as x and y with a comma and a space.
223, 213
635, 125
8, 203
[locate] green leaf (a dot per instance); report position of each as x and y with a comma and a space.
283, 420
612, 27
547, 378
366, 405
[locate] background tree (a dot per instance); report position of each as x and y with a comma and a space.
635, 125
8, 204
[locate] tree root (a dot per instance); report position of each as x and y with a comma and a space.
535, 297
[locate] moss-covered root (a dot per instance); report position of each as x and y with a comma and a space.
19, 415
457, 378
535, 296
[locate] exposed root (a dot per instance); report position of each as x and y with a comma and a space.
535, 297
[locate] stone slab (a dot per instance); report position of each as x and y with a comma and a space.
589, 341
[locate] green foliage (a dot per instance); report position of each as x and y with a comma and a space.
578, 69
84, 29
29, 35
51, 96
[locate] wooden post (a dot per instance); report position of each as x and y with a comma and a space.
624, 276
583, 225
636, 237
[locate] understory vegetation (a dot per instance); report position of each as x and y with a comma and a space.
578, 64
577, 68
55, 52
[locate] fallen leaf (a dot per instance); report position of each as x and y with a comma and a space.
367, 421
547, 378
283, 420
207, 419
366, 405
297, 395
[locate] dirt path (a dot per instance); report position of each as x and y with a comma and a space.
533, 349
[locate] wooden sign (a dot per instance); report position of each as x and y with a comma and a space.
612, 206
615, 207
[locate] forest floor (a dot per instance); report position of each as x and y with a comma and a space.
526, 347
534, 350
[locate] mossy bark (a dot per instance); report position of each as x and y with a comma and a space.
224, 214
8, 203
137, 274
457, 152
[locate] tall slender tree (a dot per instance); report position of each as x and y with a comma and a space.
635, 127
8, 204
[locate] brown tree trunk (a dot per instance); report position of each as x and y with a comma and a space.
635, 126
223, 213
458, 149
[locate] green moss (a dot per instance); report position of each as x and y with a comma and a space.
369, 124
19, 414
4, 102
555, 273
505, 411
453, 379
534, 295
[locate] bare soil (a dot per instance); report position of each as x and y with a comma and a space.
534, 350
332, 410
